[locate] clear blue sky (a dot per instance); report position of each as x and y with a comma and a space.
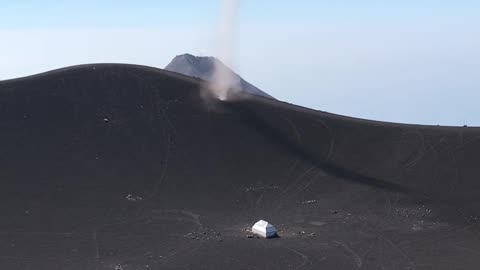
402, 61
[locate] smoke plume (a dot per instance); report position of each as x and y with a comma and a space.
224, 81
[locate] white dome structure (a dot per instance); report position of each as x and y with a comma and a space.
264, 229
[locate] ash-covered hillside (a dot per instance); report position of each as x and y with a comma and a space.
110, 166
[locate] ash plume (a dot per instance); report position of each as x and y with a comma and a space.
224, 81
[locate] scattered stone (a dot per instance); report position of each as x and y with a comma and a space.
249, 236
427, 212
473, 218
133, 199
417, 227
118, 267
317, 223
259, 187
309, 202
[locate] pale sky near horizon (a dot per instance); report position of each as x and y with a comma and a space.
400, 61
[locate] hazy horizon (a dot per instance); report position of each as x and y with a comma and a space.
410, 62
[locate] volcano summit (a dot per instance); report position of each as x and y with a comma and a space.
206, 68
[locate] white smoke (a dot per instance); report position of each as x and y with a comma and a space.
223, 80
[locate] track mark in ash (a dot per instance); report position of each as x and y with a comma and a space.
414, 157
295, 129
410, 262
304, 257
295, 185
356, 258
60, 234
96, 248
469, 250
331, 147
192, 217
299, 179
454, 165
163, 175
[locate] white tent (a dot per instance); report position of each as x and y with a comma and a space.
264, 229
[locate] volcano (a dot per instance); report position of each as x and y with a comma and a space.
205, 68
111, 166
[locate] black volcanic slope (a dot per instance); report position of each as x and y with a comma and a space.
127, 167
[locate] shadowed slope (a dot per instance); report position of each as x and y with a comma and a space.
343, 193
